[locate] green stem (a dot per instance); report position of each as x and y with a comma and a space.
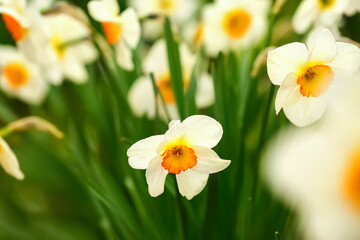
5, 131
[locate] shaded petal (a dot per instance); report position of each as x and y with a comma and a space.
191, 183
322, 48
284, 60
103, 11
131, 27
202, 130
348, 58
306, 111
155, 177
9, 161
305, 15
143, 151
288, 93
205, 91
208, 161
124, 56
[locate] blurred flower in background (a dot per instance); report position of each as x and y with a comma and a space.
141, 95
184, 150
121, 30
20, 77
305, 74
9, 161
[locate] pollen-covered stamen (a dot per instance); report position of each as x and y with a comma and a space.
315, 80
178, 158
112, 31
16, 74
236, 23
352, 182
325, 4
14, 27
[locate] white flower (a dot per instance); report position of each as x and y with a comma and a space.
184, 150
141, 94
9, 161
305, 73
353, 7
121, 30
68, 61
21, 78
319, 12
26, 28
230, 25
177, 10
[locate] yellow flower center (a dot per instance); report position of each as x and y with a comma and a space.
236, 23
16, 74
14, 27
166, 5
112, 31
351, 185
178, 158
315, 79
199, 35
56, 43
165, 88
326, 4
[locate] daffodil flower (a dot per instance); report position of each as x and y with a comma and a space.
319, 12
141, 94
306, 72
230, 25
21, 78
67, 61
121, 30
184, 150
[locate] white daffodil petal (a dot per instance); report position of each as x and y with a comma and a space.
202, 130
131, 27
348, 58
191, 183
306, 110
103, 11
75, 70
141, 97
208, 161
9, 161
305, 15
143, 151
155, 177
288, 93
284, 60
323, 47
205, 95
124, 56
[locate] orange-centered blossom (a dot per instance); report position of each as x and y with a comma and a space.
315, 80
326, 4
14, 27
178, 158
112, 31
16, 74
236, 23
352, 182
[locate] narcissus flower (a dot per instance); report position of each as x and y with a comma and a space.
184, 150
306, 72
9, 161
68, 50
141, 94
121, 30
319, 12
230, 25
21, 78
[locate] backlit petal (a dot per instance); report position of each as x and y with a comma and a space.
208, 161
191, 183
9, 161
288, 93
155, 177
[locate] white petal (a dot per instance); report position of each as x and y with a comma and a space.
85, 51
289, 93
305, 111
175, 132
305, 15
74, 69
124, 56
155, 177
201, 130
208, 161
9, 161
284, 60
156, 60
143, 151
131, 27
141, 98
205, 91
103, 11
323, 47
348, 58
191, 183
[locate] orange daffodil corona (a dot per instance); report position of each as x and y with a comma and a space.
305, 74
184, 150
121, 30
